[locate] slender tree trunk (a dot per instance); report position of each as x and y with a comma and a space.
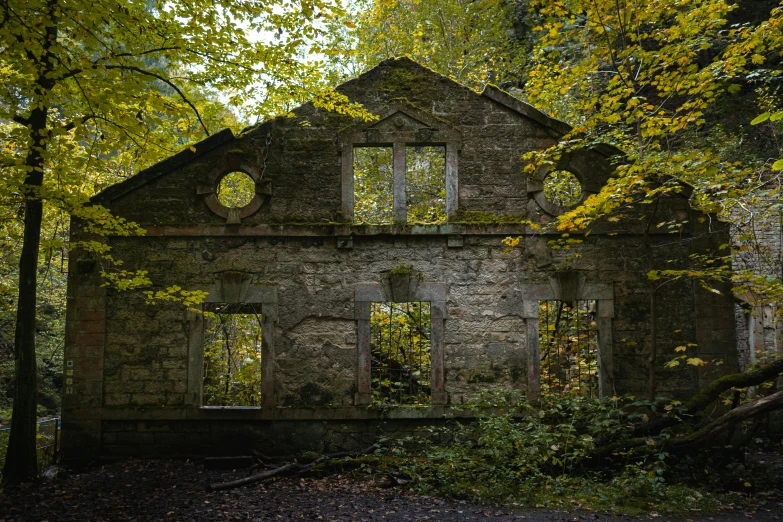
21, 463
651, 373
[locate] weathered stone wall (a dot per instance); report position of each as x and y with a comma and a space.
137, 375
187, 438
315, 337
759, 322
303, 162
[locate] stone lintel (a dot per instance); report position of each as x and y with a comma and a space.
427, 292
368, 293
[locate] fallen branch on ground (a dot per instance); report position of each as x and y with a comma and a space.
705, 436
706, 397
288, 469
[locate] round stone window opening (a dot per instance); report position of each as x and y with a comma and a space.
236, 190
562, 188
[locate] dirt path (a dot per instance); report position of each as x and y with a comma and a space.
175, 491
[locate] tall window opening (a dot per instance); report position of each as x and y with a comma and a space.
232, 355
568, 343
373, 178
400, 347
425, 184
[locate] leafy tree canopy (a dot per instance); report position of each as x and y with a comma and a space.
94, 91
472, 42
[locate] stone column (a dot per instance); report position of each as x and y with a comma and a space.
362, 314
400, 203
85, 338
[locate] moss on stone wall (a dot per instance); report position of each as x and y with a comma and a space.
402, 268
298, 220
475, 217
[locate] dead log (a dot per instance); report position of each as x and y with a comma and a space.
705, 436
707, 396
288, 469
710, 431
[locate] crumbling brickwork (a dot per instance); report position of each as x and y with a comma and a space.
295, 253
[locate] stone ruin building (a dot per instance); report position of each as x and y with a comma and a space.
387, 322
759, 324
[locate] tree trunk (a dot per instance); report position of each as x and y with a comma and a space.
653, 355
709, 395
21, 460
21, 463
652, 384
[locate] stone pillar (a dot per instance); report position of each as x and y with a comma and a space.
452, 181
347, 181
604, 317
363, 396
437, 316
85, 337
400, 203
533, 361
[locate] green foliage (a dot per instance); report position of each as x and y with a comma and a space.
472, 42
684, 97
425, 186
232, 358
402, 268
373, 181
236, 190
93, 93
568, 337
562, 188
477, 217
535, 456
44, 441
127, 85
400, 351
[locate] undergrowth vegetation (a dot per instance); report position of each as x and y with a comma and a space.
539, 456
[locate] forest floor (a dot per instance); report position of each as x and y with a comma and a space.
176, 490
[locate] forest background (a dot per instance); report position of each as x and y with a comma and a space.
688, 90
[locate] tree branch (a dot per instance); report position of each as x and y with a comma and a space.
167, 82
711, 393
288, 469
21, 120
703, 437
79, 121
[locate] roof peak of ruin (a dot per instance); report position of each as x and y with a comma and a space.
556, 127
